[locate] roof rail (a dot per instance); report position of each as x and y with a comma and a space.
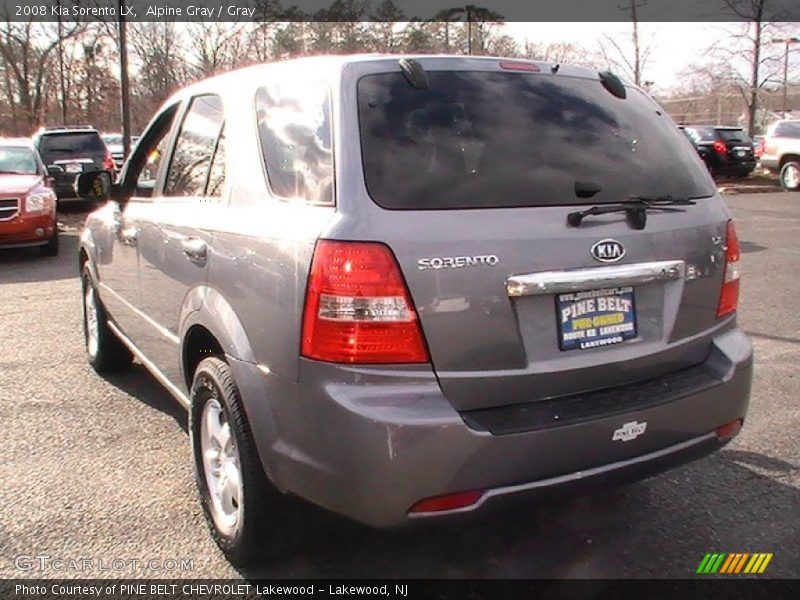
58, 127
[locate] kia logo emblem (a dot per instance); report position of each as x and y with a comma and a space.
608, 251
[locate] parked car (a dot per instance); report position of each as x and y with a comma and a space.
726, 151
69, 151
373, 290
758, 146
116, 147
27, 204
782, 152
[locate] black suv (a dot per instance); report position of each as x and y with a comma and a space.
70, 151
725, 150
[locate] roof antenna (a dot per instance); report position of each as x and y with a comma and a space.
554, 68
414, 73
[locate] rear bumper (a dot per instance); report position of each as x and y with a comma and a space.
370, 443
27, 230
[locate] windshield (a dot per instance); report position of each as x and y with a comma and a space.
17, 160
479, 139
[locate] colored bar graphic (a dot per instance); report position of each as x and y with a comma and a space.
734, 563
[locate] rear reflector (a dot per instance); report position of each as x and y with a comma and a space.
448, 502
729, 296
358, 309
729, 430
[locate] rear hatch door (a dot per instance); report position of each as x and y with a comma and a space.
474, 202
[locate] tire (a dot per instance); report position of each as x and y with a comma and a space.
790, 176
222, 444
105, 351
51, 247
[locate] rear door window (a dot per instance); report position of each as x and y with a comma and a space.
195, 147
294, 127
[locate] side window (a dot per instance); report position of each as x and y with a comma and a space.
194, 148
216, 174
295, 133
147, 176
143, 166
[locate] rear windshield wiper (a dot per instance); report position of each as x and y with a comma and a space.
635, 209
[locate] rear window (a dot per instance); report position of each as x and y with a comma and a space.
734, 135
494, 139
71, 142
788, 129
702, 134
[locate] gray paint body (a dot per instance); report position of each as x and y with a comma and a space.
370, 441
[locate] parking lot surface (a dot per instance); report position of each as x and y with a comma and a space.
99, 468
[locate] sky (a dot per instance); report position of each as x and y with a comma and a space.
676, 46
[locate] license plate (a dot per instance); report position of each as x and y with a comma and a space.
595, 318
741, 152
74, 168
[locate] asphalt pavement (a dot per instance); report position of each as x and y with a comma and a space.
98, 468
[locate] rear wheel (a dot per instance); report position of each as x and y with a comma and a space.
105, 351
790, 176
234, 491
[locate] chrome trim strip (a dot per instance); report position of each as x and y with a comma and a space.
148, 364
570, 477
160, 328
556, 282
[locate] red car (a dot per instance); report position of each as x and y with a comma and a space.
27, 203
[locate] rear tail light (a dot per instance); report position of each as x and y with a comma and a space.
729, 296
108, 162
720, 148
358, 309
448, 502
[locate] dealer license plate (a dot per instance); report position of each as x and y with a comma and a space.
74, 168
595, 318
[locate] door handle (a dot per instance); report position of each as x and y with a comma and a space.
129, 235
195, 249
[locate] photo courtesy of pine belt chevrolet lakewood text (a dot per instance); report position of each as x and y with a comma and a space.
372, 289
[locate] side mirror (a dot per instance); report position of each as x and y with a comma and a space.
54, 170
94, 185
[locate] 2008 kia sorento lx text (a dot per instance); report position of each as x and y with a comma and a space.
413, 287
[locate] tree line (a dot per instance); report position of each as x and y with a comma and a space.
43, 63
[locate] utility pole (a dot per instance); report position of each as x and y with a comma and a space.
470, 9
637, 66
787, 41
123, 81
62, 84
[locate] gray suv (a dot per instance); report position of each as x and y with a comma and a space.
408, 288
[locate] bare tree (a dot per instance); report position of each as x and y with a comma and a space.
385, 18
161, 64
629, 56
214, 47
26, 52
746, 62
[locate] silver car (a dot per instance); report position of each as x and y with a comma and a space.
410, 288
